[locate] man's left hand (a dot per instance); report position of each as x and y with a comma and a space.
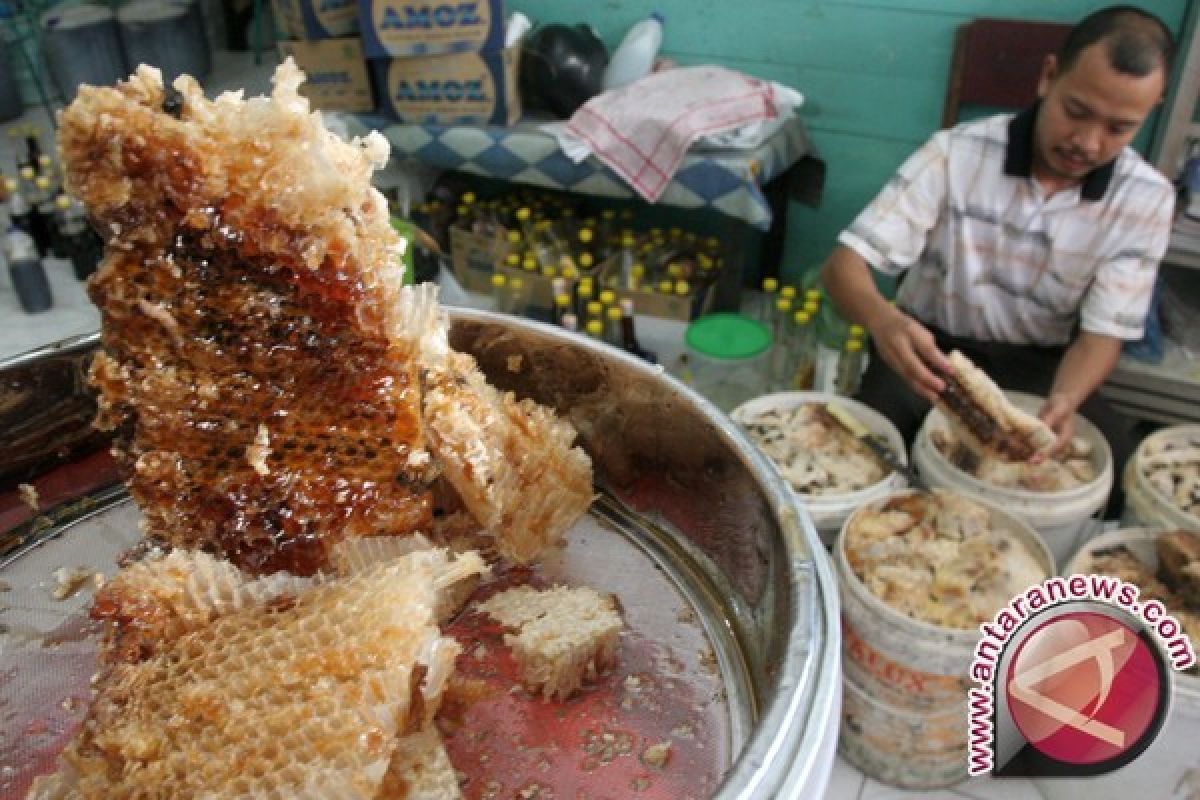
1059, 413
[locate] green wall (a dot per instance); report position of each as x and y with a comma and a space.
873, 73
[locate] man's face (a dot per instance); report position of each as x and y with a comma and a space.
1088, 114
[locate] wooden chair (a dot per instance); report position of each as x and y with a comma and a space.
997, 63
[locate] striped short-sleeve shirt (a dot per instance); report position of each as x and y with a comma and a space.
991, 256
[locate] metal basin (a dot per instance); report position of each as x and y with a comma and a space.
688, 493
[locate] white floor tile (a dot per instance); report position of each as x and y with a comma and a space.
845, 782
874, 790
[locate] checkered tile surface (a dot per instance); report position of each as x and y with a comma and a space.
729, 182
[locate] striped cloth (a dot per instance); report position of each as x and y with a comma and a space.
991, 257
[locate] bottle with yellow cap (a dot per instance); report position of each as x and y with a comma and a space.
764, 306
500, 293
850, 367
802, 347
637, 275
562, 307
779, 361
585, 292
595, 310
608, 297
595, 328
626, 258
612, 325
586, 265
47, 211
518, 301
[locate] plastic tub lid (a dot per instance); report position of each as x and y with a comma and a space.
728, 337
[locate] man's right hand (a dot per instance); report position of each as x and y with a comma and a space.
911, 351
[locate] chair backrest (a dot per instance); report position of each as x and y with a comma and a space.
997, 63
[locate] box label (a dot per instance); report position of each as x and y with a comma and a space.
412, 27
317, 19
463, 88
336, 71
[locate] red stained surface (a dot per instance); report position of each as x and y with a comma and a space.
515, 745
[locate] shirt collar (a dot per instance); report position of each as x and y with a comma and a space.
1018, 156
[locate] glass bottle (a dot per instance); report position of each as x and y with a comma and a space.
570, 322
849, 368
613, 326
629, 338
765, 305
562, 307
500, 293
26, 272
21, 212
779, 360
803, 352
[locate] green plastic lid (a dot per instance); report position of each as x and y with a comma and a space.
728, 336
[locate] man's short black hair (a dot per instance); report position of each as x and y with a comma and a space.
1138, 42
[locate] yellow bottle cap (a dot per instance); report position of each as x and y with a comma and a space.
787, 291
522, 214
637, 271
608, 297
614, 313
62, 202
27, 173
514, 237
10, 185
665, 286
595, 309
811, 306
586, 261
812, 294
516, 284
854, 345
569, 272
42, 182
770, 284
562, 300
44, 160
627, 239
585, 236
549, 271
682, 288
461, 211
857, 331
585, 289
595, 327
468, 197
499, 280
529, 264
801, 317
512, 260
675, 270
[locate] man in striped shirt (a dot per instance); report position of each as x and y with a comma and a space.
1030, 242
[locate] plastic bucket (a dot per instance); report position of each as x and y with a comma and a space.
829, 512
1064, 519
729, 358
1145, 504
82, 45
168, 34
904, 699
1170, 767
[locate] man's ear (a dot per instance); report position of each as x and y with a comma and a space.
1049, 73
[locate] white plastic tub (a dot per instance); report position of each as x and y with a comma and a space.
1170, 767
905, 681
829, 512
1064, 519
1144, 504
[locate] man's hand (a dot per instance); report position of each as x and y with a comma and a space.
1059, 413
910, 350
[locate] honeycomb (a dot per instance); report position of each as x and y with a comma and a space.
561, 637
301, 695
510, 461
259, 367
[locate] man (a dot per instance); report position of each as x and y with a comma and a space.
1031, 241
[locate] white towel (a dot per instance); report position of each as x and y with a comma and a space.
643, 130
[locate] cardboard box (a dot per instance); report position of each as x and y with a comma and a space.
457, 89
337, 73
670, 306
316, 19
393, 28
473, 258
